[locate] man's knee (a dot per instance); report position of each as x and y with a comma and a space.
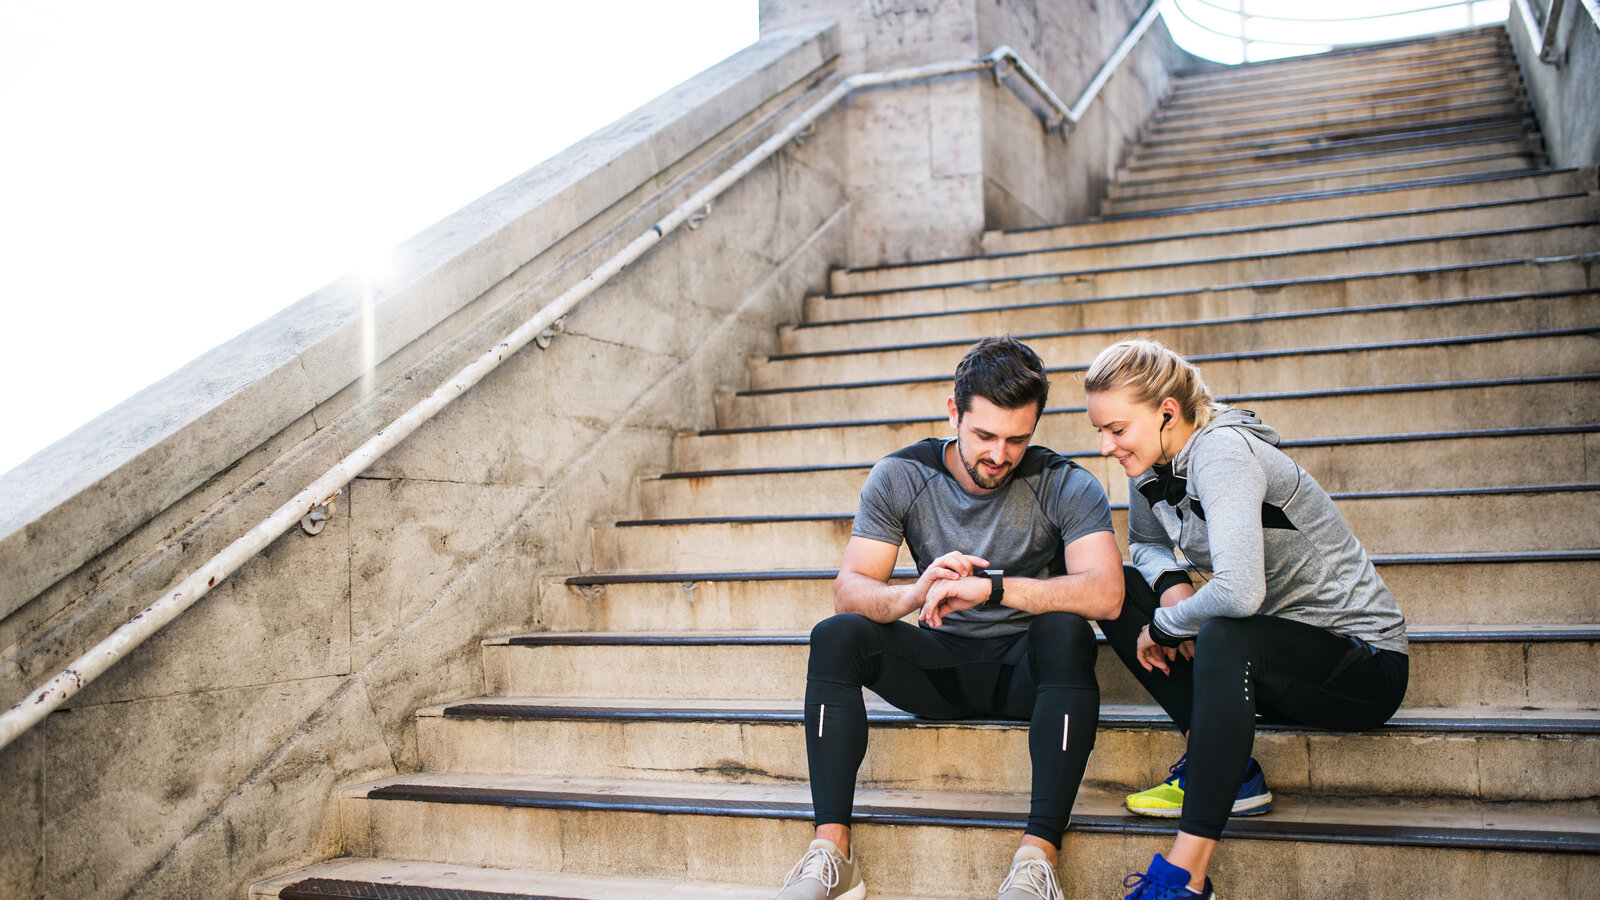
1061, 648
840, 645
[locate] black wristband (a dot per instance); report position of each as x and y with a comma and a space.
997, 587
1171, 578
1161, 637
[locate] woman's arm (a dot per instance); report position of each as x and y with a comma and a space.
1231, 485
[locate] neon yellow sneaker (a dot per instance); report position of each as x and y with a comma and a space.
1165, 800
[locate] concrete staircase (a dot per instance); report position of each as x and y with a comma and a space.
1364, 248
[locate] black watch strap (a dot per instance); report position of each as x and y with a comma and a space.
997, 586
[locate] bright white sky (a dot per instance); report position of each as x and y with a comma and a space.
174, 171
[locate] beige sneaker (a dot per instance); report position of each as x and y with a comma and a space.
1031, 877
823, 874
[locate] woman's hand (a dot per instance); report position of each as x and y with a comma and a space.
1152, 655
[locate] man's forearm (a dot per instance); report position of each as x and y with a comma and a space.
872, 598
1093, 595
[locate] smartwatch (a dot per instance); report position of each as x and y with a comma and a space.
997, 586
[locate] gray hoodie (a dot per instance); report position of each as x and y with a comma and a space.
1262, 534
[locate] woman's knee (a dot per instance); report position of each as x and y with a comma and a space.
1224, 643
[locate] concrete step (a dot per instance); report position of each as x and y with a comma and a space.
1356, 231
1099, 322
1452, 669
1428, 753
1466, 588
1431, 49
1076, 301
1310, 147
1192, 176
936, 361
1206, 124
1580, 234
1399, 198
1535, 517
1418, 318
1386, 86
408, 879
1428, 406
1529, 355
1273, 187
754, 833
1490, 457
1313, 86
1317, 125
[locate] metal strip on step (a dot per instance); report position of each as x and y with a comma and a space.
1282, 829
341, 889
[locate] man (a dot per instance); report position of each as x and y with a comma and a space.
1014, 550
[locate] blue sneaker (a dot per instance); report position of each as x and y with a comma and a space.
1165, 800
1164, 881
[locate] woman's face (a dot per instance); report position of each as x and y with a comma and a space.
1130, 431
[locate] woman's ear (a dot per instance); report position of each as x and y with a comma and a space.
1170, 410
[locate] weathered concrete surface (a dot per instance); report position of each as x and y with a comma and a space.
1564, 96
932, 166
212, 755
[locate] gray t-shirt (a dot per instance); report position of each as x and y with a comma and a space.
1022, 528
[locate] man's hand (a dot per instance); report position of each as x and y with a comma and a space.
948, 596
949, 580
863, 583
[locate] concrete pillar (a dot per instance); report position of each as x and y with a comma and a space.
932, 165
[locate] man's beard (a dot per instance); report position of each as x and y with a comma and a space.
978, 476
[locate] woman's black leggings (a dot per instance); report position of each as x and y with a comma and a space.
1288, 670
1045, 675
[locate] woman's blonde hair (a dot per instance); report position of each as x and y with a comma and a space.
1154, 373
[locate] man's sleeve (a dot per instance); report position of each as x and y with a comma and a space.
881, 514
1080, 504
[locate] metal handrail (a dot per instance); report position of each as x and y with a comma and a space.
1244, 17
1543, 34
47, 698
1314, 20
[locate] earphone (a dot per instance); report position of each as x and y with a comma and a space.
1165, 418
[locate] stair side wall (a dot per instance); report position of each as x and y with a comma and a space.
1565, 97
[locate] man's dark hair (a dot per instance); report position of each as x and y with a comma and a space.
1003, 371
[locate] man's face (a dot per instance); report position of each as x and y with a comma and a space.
990, 441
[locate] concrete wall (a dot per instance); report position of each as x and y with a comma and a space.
1565, 96
932, 166
212, 755
1031, 178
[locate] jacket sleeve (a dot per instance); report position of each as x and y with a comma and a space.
1231, 484
1148, 543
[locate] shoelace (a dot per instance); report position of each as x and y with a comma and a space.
1139, 880
1035, 875
817, 864
1176, 770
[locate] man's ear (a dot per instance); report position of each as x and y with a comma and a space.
955, 412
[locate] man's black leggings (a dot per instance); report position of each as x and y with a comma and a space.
1288, 670
1045, 675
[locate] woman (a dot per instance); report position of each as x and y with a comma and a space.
1290, 620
